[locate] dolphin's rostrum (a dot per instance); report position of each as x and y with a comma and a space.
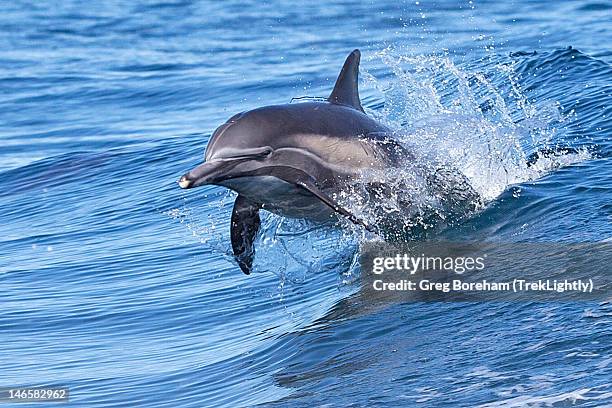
290, 159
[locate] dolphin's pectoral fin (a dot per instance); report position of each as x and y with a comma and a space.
327, 200
303, 180
346, 91
244, 227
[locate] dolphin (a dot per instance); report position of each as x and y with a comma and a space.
292, 159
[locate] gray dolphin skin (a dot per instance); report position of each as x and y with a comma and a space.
291, 159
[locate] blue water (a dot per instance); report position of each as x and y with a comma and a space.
118, 284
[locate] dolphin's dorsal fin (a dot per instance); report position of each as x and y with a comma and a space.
346, 91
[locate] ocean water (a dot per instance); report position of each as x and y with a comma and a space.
118, 284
